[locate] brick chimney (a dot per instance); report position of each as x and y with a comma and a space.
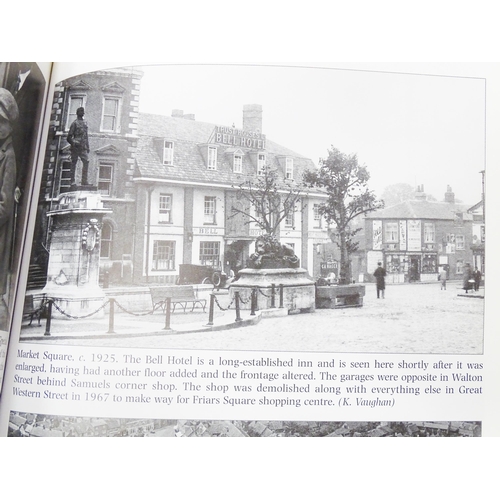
449, 196
420, 194
252, 118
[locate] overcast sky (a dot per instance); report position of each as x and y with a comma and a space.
406, 128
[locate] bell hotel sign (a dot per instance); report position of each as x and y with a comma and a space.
231, 136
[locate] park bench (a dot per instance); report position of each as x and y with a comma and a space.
178, 294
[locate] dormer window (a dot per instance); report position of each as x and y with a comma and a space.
289, 169
212, 158
237, 163
168, 153
261, 164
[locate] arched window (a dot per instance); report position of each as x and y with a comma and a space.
106, 240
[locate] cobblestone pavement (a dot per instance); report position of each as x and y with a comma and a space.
413, 318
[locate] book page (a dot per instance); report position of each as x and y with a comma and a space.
192, 275
23, 92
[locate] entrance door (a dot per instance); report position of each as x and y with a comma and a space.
414, 268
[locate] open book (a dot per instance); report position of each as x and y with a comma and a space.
177, 261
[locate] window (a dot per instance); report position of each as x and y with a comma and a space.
460, 267
106, 240
261, 164
209, 210
163, 255
391, 232
110, 114
168, 153
105, 177
75, 102
460, 242
289, 168
212, 158
210, 253
165, 208
290, 215
429, 233
316, 215
238, 164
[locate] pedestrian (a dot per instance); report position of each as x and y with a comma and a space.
442, 277
78, 137
476, 275
380, 274
467, 278
8, 115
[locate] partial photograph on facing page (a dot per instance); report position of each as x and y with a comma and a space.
271, 208
22, 87
23, 424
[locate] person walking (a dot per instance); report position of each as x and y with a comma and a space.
467, 276
442, 277
476, 275
380, 274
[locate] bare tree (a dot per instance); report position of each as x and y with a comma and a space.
346, 184
270, 199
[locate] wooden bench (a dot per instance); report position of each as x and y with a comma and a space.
178, 294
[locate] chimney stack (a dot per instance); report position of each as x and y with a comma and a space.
449, 196
420, 194
252, 118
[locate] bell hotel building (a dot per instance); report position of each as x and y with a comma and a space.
170, 183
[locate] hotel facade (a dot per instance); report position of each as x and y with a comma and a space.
171, 183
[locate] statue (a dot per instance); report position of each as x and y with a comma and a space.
271, 254
78, 137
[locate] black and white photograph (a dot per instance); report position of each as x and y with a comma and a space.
262, 207
21, 97
22, 424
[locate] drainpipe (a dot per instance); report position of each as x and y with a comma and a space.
149, 190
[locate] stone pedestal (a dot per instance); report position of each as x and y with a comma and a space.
338, 296
298, 289
73, 269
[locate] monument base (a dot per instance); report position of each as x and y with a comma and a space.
75, 302
293, 289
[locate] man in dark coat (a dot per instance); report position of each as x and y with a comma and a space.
27, 87
477, 278
380, 274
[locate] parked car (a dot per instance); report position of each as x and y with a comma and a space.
192, 274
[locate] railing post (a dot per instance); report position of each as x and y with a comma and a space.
168, 302
237, 303
49, 317
211, 310
281, 296
111, 325
273, 292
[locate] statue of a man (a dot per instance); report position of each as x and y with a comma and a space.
78, 137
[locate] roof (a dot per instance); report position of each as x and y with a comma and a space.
421, 209
190, 140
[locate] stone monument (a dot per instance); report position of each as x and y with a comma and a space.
274, 271
73, 268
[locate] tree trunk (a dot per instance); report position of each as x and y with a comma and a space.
345, 268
